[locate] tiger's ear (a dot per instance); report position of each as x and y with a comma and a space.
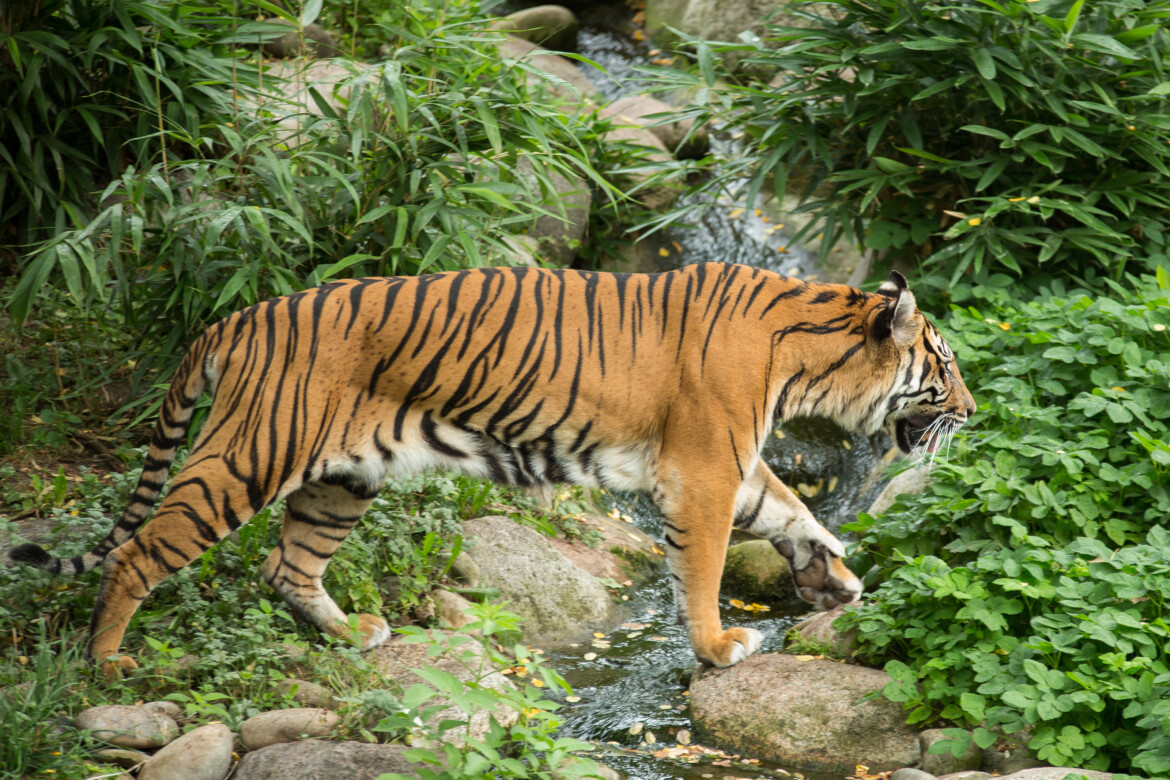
896, 320
893, 284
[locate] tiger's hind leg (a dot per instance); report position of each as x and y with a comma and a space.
208, 500
317, 519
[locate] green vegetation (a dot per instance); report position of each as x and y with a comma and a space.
976, 138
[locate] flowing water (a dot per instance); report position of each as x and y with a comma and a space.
636, 686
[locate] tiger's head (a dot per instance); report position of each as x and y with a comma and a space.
928, 400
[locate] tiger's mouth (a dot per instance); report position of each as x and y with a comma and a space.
926, 430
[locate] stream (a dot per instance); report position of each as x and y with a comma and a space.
632, 687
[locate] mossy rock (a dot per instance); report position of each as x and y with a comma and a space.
755, 570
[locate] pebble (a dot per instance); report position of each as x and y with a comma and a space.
202, 754
306, 694
168, 708
277, 726
128, 727
123, 757
908, 773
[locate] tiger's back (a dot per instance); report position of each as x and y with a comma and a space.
665, 383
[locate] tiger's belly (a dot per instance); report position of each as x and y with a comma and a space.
434, 445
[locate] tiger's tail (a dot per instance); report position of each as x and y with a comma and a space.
194, 373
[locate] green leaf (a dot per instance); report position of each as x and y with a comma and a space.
1104, 44
1074, 13
984, 63
311, 11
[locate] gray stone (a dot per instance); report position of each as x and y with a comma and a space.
624, 552
168, 708
913, 480
128, 727
676, 134
804, 713
306, 694
202, 754
290, 103
947, 763
968, 775
755, 570
819, 629
123, 757
909, 773
522, 250
271, 728
397, 659
557, 600
317, 760
1010, 754
310, 41
549, 25
558, 234
1055, 773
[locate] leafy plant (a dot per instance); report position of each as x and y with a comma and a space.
980, 137
528, 749
1026, 588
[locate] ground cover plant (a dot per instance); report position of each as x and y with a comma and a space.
989, 141
1025, 589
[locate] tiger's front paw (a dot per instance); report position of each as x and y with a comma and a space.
113, 667
729, 647
820, 576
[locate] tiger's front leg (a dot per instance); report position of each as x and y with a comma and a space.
697, 498
765, 507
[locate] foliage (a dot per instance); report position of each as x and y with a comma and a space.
425, 162
529, 749
1036, 598
1021, 136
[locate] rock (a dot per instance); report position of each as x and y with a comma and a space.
128, 727
1010, 754
908, 773
803, 713
645, 145
271, 728
624, 552
397, 658
522, 250
465, 570
946, 763
317, 760
557, 600
202, 754
310, 41
676, 135
123, 757
1055, 773
168, 708
755, 570
913, 480
818, 629
550, 25
295, 108
577, 88
306, 694
560, 233
969, 775
451, 608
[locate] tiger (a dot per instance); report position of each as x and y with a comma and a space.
665, 383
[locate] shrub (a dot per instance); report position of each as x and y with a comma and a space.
981, 137
1026, 587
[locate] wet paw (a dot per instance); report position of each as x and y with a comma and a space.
734, 645
373, 631
821, 577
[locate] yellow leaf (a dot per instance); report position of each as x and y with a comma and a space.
1005, 326
974, 221
737, 603
1015, 200
735, 213
664, 252
1035, 198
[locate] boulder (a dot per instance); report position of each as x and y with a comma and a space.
1055, 773
624, 552
575, 88
129, 727
818, 629
755, 570
306, 694
805, 714
202, 754
678, 135
559, 234
947, 763
168, 708
123, 757
317, 760
311, 41
553, 26
451, 608
967, 775
271, 728
644, 145
557, 600
397, 658
913, 480
909, 773
290, 104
